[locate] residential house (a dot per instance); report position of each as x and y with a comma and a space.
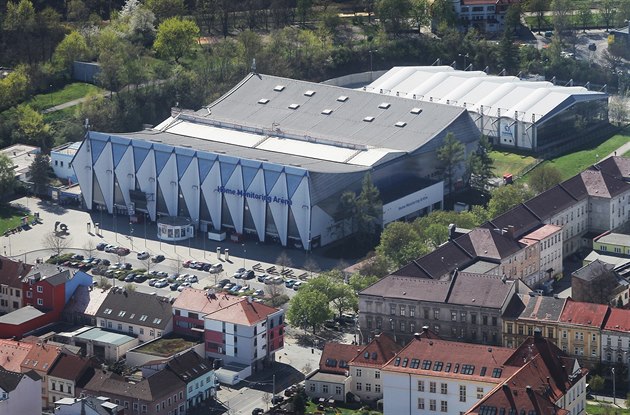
18, 392
82, 307
527, 391
11, 274
332, 379
40, 359
528, 313
23, 321
235, 329
161, 393
195, 371
548, 241
68, 373
105, 345
612, 244
580, 329
13, 353
598, 282
49, 287
137, 314
462, 307
451, 377
616, 337
366, 366
21, 156
87, 405
60, 161
483, 15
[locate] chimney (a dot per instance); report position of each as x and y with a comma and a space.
510, 231
538, 334
451, 231
417, 336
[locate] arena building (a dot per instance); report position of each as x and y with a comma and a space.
270, 159
513, 113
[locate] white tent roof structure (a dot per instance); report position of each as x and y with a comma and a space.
494, 96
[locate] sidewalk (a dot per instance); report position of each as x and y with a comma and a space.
620, 151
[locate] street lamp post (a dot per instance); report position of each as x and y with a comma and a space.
465, 56
614, 387
371, 51
244, 254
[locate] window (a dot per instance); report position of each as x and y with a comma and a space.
484, 320
432, 405
368, 387
436, 314
358, 373
40, 301
420, 403
53, 386
443, 406
412, 311
392, 309
432, 387
443, 388
377, 388
496, 372
377, 374
479, 393
359, 386
509, 328
426, 364
29, 294
438, 366
325, 388
421, 386
473, 318
337, 390
453, 315
403, 310
40, 289
494, 321
462, 393
468, 369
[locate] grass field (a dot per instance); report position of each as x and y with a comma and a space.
166, 347
311, 408
67, 93
571, 164
509, 162
61, 115
605, 410
10, 217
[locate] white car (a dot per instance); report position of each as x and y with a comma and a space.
161, 283
143, 255
182, 286
216, 268
191, 278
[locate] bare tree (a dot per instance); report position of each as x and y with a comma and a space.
56, 242
276, 294
266, 398
89, 247
307, 368
284, 260
148, 263
311, 266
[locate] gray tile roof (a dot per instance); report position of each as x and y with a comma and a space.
9, 380
21, 315
542, 308
189, 366
133, 307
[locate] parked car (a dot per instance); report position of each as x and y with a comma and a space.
101, 246
259, 293
161, 283
78, 257
162, 274
188, 263
269, 279
277, 399
174, 286
191, 279
142, 255
105, 262
261, 277
223, 282
110, 248
152, 282
258, 411
130, 277
235, 289
182, 286
158, 258
248, 275
228, 286
216, 268
120, 251
297, 285
278, 280
239, 272
140, 278
289, 283
181, 277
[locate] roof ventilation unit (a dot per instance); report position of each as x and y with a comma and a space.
263, 101
368, 119
385, 105
342, 98
400, 124
416, 111
327, 111
279, 88
309, 93
294, 106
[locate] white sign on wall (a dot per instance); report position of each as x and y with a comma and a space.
507, 131
413, 202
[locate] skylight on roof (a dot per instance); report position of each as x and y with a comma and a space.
368, 119
309, 93
279, 88
384, 105
263, 101
327, 111
342, 98
400, 124
294, 106
416, 111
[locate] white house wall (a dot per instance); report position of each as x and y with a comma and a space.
104, 173
125, 171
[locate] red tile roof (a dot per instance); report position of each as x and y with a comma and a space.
584, 314
223, 307
336, 357
452, 359
69, 367
41, 358
377, 352
11, 272
618, 320
13, 353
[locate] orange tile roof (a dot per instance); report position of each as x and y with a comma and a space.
223, 307
11, 272
377, 352
451, 358
618, 320
584, 314
336, 357
13, 353
542, 232
41, 358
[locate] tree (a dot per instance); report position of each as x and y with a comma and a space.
7, 176
443, 14
560, 16
618, 109
450, 154
538, 7
369, 209
299, 400
584, 14
56, 242
608, 9
344, 298
377, 266
360, 282
508, 52
393, 14
505, 198
544, 177
72, 48
165, 9
420, 12
480, 165
311, 266
303, 9
89, 247
176, 38
596, 383
284, 261
400, 244
308, 308
31, 128
40, 173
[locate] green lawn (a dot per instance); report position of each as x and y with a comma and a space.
509, 162
61, 115
311, 408
571, 164
605, 410
10, 218
67, 93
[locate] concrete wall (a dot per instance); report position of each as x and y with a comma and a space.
23, 399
